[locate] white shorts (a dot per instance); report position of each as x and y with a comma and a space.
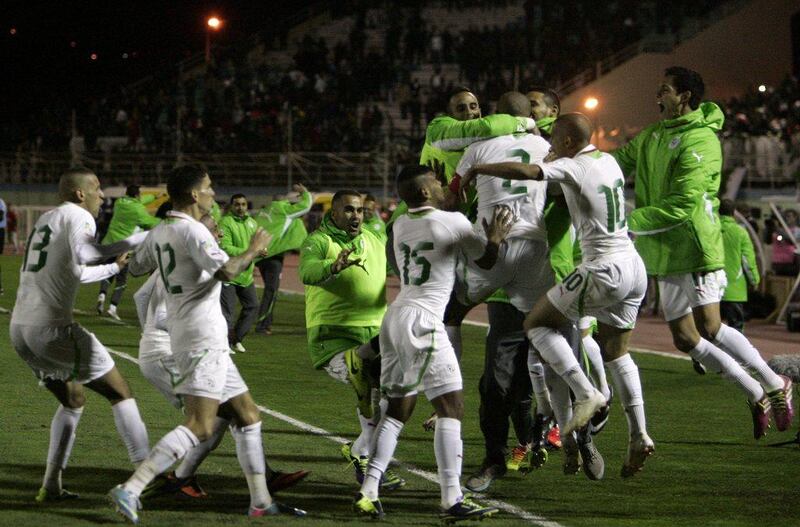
163, 374
610, 291
65, 353
208, 373
416, 355
681, 293
523, 269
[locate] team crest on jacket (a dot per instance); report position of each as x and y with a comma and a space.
674, 143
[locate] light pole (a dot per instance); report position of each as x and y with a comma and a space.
591, 104
212, 24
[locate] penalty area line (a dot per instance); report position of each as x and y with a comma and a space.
529, 517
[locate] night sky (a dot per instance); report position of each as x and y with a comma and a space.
40, 63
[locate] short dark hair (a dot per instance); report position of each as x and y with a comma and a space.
405, 188
132, 191
182, 180
237, 196
369, 197
459, 89
726, 207
550, 96
687, 80
163, 209
342, 193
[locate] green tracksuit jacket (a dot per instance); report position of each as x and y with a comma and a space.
677, 164
129, 213
446, 138
354, 297
236, 235
282, 219
740, 260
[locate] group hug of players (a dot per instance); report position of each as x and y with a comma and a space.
539, 191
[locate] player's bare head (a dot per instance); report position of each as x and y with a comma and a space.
81, 186
680, 92
417, 185
514, 103
463, 105
188, 185
544, 102
239, 205
347, 211
571, 133
211, 224
133, 191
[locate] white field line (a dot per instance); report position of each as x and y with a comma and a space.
529, 517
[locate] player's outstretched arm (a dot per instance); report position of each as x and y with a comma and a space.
88, 251
496, 233
95, 273
236, 265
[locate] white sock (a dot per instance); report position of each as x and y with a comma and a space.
250, 451
559, 396
362, 445
167, 451
717, 361
540, 391
629, 387
449, 453
131, 429
454, 334
555, 350
62, 437
385, 443
198, 454
737, 346
592, 350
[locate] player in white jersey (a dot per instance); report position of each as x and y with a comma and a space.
62, 354
157, 364
609, 284
415, 352
191, 265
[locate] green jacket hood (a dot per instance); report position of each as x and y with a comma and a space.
707, 115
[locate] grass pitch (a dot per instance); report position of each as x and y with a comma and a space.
706, 471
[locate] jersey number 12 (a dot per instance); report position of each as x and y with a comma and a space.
167, 269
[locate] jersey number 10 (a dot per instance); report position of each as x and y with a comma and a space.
615, 203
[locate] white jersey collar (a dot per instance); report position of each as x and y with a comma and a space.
179, 215
420, 209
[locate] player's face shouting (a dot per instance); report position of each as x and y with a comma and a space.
668, 99
348, 213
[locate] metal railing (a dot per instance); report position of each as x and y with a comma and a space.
319, 170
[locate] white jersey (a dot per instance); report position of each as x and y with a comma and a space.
151, 306
525, 198
427, 245
3, 214
61, 242
594, 189
187, 257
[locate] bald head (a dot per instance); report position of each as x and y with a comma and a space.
73, 180
572, 132
514, 103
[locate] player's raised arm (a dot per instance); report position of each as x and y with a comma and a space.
510, 170
236, 265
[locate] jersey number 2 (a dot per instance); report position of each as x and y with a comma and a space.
524, 157
166, 270
408, 255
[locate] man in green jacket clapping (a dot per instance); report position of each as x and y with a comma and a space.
237, 229
129, 214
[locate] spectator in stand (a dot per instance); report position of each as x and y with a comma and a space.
741, 268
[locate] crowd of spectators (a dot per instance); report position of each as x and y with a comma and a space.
242, 104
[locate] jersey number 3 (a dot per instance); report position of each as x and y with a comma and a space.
166, 270
44, 232
409, 255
